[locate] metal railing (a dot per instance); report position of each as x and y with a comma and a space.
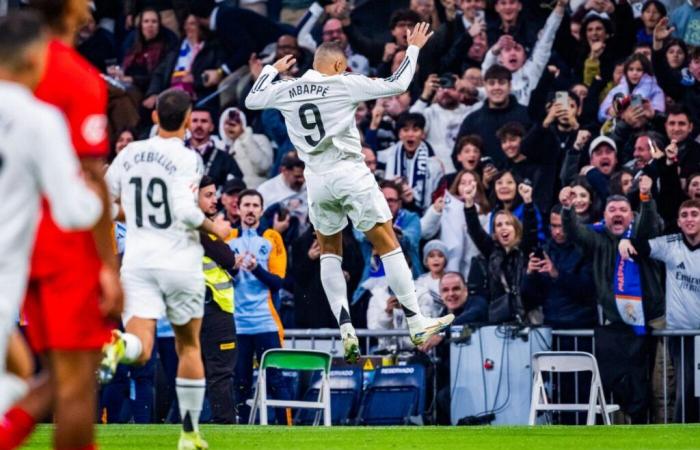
328, 339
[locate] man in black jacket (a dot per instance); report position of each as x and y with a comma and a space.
561, 280
499, 108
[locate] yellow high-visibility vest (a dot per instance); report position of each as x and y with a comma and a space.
220, 283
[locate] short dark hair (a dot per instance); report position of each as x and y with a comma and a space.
403, 15
251, 193
497, 72
18, 30
172, 108
206, 181
470, 139
290, 162
690, 203
409, 119
694, 53
557, 209
510, 129
676, 109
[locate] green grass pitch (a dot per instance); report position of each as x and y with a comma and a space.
653, 437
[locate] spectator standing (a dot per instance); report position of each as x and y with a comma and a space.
679, 253
511, 54
413, 160
506, 252
288, 185
560, 279
499, 108
443, 117
262, 259
218, 164
629, 293
453, 227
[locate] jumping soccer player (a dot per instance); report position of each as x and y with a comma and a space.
157, 181
319, 109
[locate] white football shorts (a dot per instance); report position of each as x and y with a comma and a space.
347, 190
156, 293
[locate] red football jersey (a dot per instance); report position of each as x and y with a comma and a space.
76, 88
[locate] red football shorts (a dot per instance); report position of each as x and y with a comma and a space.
62, 309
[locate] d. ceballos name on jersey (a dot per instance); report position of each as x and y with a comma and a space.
308, 89
154, 157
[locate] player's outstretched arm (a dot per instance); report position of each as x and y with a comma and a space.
262, 95
362, 88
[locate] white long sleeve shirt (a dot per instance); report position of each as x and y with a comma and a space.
319, 110
157, 182
36, 158
526, 78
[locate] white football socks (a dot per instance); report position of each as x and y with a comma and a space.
400, 281
190, 397
132, 348
336, 289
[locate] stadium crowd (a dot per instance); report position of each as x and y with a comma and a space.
543, 168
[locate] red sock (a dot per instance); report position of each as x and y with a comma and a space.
15, 426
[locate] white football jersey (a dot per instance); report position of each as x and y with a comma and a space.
319, 110
157, 181
36, 157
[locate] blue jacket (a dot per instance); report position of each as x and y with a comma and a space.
569, 300
254, 308
686, 20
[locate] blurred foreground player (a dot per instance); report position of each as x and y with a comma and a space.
157, 182
74, 284
36, 158
319, 109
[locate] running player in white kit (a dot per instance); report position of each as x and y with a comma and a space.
156, 182
36, 158
319, 109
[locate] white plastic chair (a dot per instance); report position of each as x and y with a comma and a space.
568, 362
289, 359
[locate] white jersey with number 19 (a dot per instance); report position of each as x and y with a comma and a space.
319, 110
157, 181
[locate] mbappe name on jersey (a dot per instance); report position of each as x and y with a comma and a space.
308, 89
151, 157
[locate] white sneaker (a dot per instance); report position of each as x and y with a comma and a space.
351, 346
430, 327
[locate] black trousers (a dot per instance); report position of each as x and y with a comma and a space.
219, 353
